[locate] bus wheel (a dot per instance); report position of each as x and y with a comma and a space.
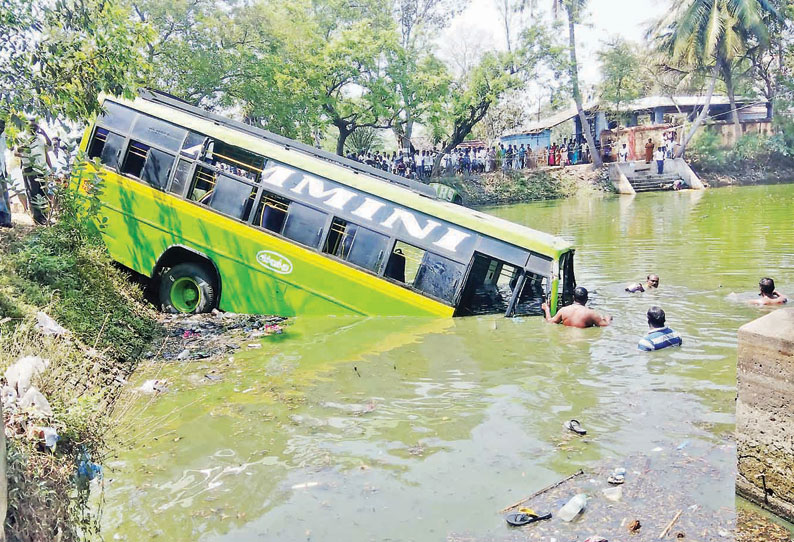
187, 288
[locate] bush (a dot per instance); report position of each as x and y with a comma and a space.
706, 150
66, 268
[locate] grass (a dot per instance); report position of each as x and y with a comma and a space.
64, 270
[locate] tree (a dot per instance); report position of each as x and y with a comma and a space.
472, 95
364, 140
413, 69
58, 57
470, 99
621, 74
708, 35
574, 9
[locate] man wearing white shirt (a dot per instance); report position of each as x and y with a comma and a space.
659, 157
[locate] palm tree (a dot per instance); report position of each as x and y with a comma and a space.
707, 36
573, 9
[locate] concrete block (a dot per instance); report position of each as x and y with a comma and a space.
765, 412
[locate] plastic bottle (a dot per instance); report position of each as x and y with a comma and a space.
573, 507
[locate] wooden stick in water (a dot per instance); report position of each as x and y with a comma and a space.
670, 525
542, 491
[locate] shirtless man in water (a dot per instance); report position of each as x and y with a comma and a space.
577, 315
768, 294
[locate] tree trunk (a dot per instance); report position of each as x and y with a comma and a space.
458, 135
344, 133
703, 114
577, 94
408, 131
727, 78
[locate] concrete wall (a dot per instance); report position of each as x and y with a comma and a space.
765, 412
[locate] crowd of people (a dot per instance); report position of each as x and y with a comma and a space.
659, 336
23, 170
469, 160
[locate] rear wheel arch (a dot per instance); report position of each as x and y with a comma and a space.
179, 254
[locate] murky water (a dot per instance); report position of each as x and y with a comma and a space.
406, 429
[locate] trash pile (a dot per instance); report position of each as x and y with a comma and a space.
27, 414
644, 498
25, 409
202, 336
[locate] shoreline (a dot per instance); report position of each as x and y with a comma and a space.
521, 186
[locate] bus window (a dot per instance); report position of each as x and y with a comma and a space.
272, 212
158, 132
148, 164
304, 224
235, 160
439, 276
157, 168
233, 197
97, 142
193, 145
204, 183
117, 117
404, 263
107, 147
181, 177
489, 287
135, 159
357, 245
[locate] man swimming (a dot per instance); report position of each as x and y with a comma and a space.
577, 315
768, 295
651, 283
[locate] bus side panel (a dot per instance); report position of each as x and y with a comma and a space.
144, 222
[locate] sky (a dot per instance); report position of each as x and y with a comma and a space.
605, 19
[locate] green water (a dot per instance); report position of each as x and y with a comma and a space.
405, 429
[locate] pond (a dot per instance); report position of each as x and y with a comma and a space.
407, 429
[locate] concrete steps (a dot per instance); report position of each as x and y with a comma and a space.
647, 181
633, 177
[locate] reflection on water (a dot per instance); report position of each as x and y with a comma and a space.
406, 429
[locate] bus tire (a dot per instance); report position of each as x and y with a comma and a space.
187, 288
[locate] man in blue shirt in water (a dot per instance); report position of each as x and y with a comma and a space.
660, 336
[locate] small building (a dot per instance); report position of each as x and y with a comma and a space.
648, 117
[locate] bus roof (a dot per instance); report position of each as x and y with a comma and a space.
409, 193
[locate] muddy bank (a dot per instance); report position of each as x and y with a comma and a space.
777, 170
529, 185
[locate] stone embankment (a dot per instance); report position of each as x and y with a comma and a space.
529, 185
765, 412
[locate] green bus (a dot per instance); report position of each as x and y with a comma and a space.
223, 215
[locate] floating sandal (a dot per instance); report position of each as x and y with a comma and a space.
575, 426
520, 518
617, 477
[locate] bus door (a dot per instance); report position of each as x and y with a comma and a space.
532, 288
495, 286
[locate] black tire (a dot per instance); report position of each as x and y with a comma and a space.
188, 288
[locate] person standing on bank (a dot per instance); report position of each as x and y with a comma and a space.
649, 151
32, 151
5, 204
659, 157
